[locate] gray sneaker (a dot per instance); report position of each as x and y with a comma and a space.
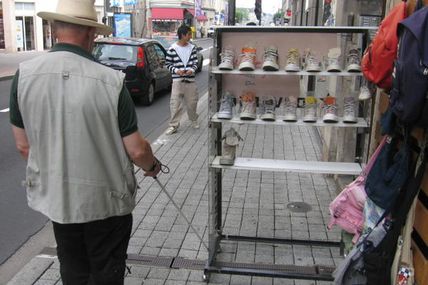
226, 106
290, 106
353, 60
270, 59
231, 139
349, 115
268, 108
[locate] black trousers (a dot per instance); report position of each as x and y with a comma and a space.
93, 252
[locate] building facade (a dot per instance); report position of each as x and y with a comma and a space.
22, 30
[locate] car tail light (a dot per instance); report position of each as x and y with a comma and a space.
140, 57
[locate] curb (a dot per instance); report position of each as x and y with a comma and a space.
6, 77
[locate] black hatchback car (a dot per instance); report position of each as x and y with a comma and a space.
142, 61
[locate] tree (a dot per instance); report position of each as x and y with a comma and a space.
278, 16
241, 15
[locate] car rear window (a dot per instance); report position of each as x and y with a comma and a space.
115, 52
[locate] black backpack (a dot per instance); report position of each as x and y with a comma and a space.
410, 76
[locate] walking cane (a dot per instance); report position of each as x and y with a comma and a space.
165, 169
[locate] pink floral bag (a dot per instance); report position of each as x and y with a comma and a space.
346, 209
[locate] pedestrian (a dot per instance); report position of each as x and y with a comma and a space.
182, 62
75, 123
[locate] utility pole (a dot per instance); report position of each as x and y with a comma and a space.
258, 11
231, 13
140, 26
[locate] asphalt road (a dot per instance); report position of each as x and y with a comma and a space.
21, 227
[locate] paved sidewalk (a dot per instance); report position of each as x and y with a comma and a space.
254, 203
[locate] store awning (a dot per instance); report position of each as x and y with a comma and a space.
167, 13
191, 11
202, 18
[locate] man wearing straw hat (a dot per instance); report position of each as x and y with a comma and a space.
75, 124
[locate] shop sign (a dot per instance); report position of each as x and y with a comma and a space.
130, 2
19, 34
122, 25
116, 3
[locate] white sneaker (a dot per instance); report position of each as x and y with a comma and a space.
353, 61
290, 106
270, 59
226, 107
248, 101
333, 60
365, 93
310, 109
268, 108
227, 58
349, 110
312, 63
248, 59
330, 110
171, 130
195, 124
293, 60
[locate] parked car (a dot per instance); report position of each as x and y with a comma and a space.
167, 41
210, 32
142, 61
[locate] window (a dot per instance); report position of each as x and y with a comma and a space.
159, 51
24, 7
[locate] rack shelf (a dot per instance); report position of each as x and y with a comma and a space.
318, 167
259, 71
361, 123
319, 40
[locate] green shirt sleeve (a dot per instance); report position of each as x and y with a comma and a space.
128, 123
15, 114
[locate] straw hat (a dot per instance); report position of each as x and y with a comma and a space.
79, 12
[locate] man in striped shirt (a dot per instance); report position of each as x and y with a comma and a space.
182, 62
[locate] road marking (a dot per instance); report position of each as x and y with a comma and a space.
206, 62
4, 110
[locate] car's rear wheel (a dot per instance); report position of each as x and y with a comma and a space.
149, 96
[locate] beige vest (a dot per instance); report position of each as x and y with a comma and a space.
78, 170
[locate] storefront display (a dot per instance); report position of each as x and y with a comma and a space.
256, 78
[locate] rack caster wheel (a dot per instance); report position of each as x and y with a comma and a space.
206, 278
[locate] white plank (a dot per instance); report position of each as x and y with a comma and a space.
319, 167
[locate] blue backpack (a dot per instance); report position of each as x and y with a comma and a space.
410, 76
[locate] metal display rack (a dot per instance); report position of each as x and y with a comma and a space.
284, 38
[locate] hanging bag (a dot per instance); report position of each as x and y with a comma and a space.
389, 172
346, 209
377, 61
410, 83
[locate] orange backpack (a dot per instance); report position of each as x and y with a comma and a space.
378, 59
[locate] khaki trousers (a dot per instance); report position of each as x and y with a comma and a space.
183, 92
